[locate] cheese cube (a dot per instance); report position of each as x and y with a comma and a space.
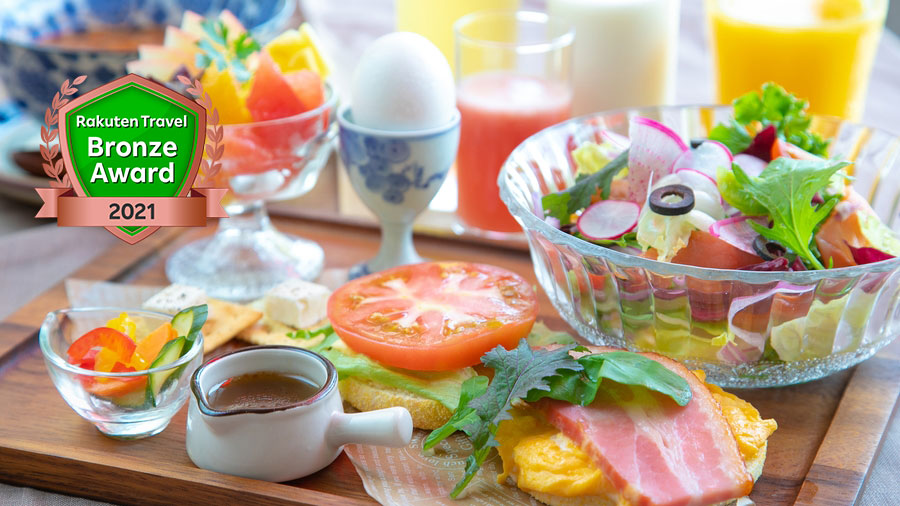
297, 303
174, 298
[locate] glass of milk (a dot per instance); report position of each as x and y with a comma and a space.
625, 51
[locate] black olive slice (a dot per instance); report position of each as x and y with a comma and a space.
672, 207
768, 250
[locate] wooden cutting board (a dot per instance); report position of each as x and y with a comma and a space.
829, 430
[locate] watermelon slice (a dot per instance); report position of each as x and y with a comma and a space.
271, 96
307, 86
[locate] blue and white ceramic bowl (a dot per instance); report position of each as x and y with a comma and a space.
396, 174
32, 72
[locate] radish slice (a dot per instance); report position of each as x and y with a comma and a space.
654, 149
750, 164
608, 219
699, 181
737, 231
706, 158
709, 204
617, 140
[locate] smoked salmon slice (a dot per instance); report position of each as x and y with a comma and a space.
654, 451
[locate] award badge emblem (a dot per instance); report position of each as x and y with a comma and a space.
128, 158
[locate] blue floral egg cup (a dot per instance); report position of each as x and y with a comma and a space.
396, 174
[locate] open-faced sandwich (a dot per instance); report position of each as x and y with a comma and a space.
606, 426
409, 336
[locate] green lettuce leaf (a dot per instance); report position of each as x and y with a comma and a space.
734, 193
541, 335
563, 204
774, 106
440, 386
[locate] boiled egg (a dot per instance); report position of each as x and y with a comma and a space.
402, 82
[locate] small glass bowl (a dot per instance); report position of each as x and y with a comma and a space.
130, 415
745, 329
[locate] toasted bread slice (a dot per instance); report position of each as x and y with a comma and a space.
366, 395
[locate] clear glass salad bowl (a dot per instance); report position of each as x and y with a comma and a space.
129, 413
745, 329
276, 159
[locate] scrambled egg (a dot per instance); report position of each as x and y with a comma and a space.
541, 459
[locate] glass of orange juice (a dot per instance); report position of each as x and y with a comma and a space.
434, 19
513, 78
819, 50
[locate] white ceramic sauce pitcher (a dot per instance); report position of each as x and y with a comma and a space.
281, 444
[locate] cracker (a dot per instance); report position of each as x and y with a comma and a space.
271, 332
226, 321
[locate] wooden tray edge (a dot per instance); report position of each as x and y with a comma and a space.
846, 454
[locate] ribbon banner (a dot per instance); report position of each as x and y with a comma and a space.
189, 211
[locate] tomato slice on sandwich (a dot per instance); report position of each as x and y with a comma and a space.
433, 316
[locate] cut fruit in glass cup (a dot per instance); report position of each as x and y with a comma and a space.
275, 159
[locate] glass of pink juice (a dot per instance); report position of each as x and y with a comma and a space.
513, 72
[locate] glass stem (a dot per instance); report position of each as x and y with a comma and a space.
245, 218
396, 246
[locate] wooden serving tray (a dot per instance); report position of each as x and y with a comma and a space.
829, 430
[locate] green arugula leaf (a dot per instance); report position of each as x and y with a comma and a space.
530, 375
620, 366
774, 106
785, 189
563, 204
464, 416
310, 333
516, 372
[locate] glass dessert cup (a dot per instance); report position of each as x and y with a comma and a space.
267, 160
745, 329
129, 415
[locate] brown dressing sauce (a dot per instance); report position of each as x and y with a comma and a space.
115, 39
260, 390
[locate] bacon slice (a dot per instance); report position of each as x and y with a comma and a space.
654, 451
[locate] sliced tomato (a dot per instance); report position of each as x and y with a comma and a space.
433, 316
101, 337
706, 250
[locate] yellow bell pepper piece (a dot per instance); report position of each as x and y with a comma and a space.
123, 324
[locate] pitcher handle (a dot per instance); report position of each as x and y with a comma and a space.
382, 427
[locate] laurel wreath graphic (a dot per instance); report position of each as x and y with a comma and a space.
53, 163
210, 165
